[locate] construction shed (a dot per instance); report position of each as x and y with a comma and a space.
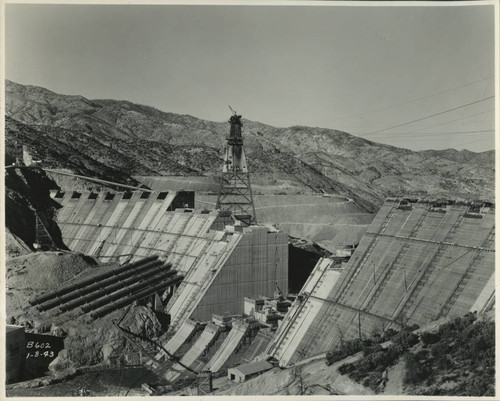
243, 373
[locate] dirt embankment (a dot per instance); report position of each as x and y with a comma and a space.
34, 273
85, 343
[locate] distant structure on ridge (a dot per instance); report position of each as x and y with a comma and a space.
235, 192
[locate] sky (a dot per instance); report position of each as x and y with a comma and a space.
413, 77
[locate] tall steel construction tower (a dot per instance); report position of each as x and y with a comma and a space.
235, 193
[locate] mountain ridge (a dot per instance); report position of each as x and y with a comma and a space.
315, 159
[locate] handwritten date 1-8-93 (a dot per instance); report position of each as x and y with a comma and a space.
36, 349
40, 354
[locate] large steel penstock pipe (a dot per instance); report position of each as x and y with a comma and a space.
127, 300
113, 287
129, 290
81, 291
81, 283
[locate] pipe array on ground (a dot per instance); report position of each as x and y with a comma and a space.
127, 300
101, 285
116, 285
129, 290
88, 281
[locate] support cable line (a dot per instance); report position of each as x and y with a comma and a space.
424, 134
414, 100
429, 116
462, 118
474, 141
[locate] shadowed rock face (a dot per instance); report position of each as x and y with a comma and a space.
27, 191
127, 138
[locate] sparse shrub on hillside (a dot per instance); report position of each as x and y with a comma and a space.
405, 338
372, 349
370, 369
415, 369
461, 352
440, 352
349, 347
387, 335
429, 338
458, 359
369, 345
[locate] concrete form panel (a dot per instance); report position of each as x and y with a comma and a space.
142, 223
79, 215
69, 205
300, 335
485, 296
291, 331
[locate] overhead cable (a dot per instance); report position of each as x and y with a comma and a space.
423, 134
414, 100
429, 116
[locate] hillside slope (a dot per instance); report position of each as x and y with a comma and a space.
141, 140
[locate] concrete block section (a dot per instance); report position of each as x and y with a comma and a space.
231, 342
486, 298
199, 279
294, 333
245, 276
186, 330
206, 339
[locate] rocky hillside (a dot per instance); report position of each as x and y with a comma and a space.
117, 139
27, 195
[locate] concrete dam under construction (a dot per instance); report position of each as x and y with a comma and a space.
222, 263
419, 261
218, 282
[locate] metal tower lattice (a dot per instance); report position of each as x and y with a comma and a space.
235, 193
43, 240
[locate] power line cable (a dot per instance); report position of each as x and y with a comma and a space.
424, 134
429, 116
457, 119
474, 141
414, 100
